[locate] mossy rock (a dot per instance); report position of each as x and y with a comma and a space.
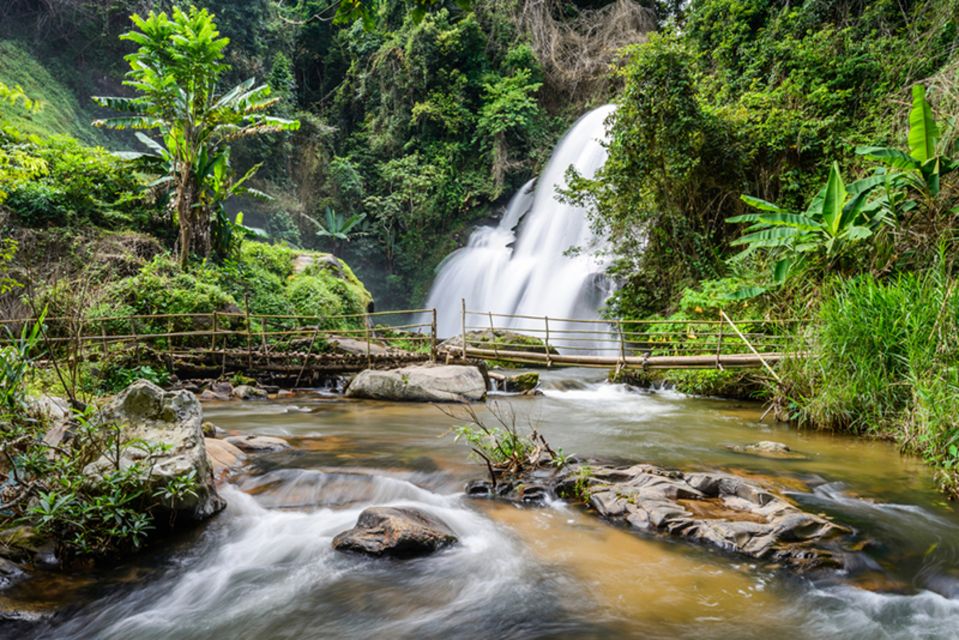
501, 340
522, 382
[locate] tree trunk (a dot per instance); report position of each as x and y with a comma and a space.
184, 210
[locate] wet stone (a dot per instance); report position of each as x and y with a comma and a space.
258, 444
717, 509
397, 532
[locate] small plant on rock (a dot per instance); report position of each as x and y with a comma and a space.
506, 452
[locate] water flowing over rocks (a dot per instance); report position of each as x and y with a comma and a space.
523, 264
438, 383
173, 419
397, 532
715, 509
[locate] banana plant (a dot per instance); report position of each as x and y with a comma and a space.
838, 217
922, 168
337, 226
175, 73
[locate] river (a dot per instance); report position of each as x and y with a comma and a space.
264, 568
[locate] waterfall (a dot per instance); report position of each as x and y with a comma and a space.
523, 265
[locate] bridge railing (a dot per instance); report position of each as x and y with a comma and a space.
218, 332
715, 342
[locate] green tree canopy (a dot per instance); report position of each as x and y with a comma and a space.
176, 73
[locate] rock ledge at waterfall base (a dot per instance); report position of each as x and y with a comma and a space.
714, 509
422, 383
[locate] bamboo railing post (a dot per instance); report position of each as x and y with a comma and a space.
433, 337
719, 345
103, 336
266, 349
169, 343
622, 344
492, 333
463, 324
213, 335
369, 356
549, 358
136, 339
249, 333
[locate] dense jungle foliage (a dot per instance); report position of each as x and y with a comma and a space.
413, 125
786, 160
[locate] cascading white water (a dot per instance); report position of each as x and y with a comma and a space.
524, 264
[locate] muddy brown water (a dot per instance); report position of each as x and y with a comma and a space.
264, 568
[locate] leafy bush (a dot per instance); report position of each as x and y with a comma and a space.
56, 181
48, 487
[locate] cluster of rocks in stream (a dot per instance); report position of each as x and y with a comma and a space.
715, 509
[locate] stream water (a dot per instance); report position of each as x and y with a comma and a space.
264, 568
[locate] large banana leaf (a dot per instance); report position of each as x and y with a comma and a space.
892, 157
759, 203
775, 237
834, 199
923, 132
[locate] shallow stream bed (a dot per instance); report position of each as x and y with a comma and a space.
264, 568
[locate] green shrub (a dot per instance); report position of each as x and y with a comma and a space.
311, 296
885, 361
70, 184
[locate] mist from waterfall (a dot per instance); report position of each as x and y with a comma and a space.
543, 258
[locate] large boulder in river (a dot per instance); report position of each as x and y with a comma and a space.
169, 423
423, 383
398, 532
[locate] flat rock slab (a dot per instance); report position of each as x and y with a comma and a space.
439, 383
223, 455
767, 449
258, 444
716, 509
397, 532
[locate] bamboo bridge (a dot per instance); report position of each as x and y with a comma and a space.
305, 350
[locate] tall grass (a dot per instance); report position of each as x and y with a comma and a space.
884, 361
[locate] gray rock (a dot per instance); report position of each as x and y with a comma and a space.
248, 392
170, 419
10, 572
722, 510
258, 444
767, 449
399, 532
50, 409
209, 394
222, 387
440, 383
210, 430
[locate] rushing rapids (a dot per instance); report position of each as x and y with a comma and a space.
542, 258
265, 569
